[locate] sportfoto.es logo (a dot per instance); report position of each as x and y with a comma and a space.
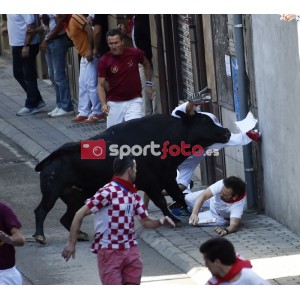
97, 150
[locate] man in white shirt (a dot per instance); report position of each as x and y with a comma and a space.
24, 42
226, 266
226, 201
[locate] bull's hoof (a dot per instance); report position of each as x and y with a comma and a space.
82, 237
40, 239
175, 220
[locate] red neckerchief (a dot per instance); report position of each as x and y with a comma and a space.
237, 199
234, 270
125, 184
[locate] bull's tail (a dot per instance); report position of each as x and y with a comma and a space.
64, 149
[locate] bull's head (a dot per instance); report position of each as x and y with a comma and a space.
201, 130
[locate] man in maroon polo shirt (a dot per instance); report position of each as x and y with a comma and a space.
119, 70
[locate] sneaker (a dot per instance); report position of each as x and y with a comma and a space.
41, 104
254, 135
180, 212
26, 111
79, 118
53, 111
61, 113
95, 118
173, 205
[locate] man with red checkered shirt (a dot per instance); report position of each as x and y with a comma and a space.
115, 242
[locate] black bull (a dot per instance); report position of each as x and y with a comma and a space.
64, 174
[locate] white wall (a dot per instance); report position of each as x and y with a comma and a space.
277, 80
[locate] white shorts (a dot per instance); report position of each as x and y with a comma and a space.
208, 217
10, 277
121, 111
187, 168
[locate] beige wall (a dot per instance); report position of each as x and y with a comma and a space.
277, 81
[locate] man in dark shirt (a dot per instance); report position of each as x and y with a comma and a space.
10, 237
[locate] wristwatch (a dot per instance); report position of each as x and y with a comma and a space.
26, 45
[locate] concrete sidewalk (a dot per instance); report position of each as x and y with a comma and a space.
273, 249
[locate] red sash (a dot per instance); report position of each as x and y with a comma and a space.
237, 199
126, 184
236, 268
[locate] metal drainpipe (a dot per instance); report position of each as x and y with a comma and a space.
242, 94
194, 52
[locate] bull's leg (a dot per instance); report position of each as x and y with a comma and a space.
160, 201
175, 193
51, 188
41, 212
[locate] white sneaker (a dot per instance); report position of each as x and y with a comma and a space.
26, 111
53, 111
62, 113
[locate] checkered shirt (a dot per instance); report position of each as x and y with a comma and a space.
114, 209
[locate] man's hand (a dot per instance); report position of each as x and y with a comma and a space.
68, 251
89, 55
4, 238
105, 109
43, 45
166, 221
193, 219
149, 91
220, 231
25, 52
288, 17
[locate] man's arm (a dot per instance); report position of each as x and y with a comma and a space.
149, 222
97, 38
30, 32
15, 239
69, 249
148, 77
198, 204
102, 94
59, 21
233, 227
89, 30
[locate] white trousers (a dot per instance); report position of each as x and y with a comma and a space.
88, 95
121, 111
208, 217
188, 166
10, 277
